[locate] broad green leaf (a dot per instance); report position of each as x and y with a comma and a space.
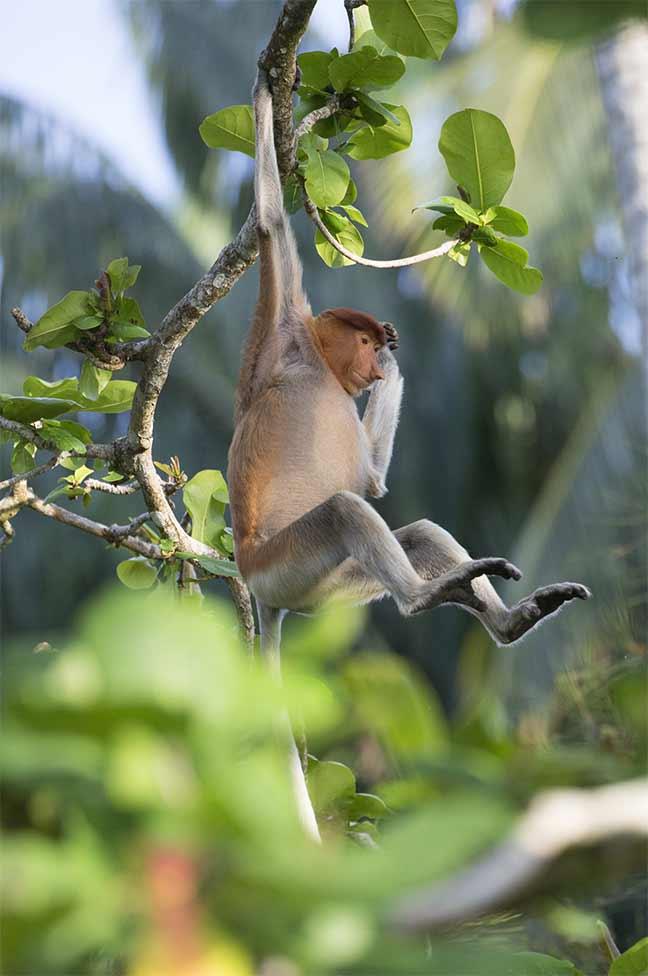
365, 69
632, 962
351, 194
22, 457
376, 113
311, 142
88, 322
331, 786
355, 215
504, 260
116, 396
417, 28
93, 380
345, 232
53, 328
479, 155
205, 499
367, 805
327, 177
460, 253
506, 221
219, 567
449, 223
371, 142
137, 573
231, 128
127, 311
63, 437
121, 275
79, 431
462, 209
27, 409
292, 195
486, 236
123, 332
314, 66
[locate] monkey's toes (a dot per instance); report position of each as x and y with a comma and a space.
549, 598
493, 566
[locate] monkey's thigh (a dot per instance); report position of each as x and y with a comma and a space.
431, 550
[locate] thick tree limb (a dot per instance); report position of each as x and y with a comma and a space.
556, 822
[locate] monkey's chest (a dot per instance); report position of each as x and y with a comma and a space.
326, 452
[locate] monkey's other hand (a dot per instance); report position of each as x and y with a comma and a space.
392, 335
540, 604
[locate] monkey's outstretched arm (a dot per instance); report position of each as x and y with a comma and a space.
380, 419
281, 299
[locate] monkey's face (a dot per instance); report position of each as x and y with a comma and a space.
356, 357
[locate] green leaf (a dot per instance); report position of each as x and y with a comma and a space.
121, 275
87, 322
450, 223
327, 177
27, 409
367, 805
93, 380
345, 232
460, 253
372, 142
137, 573
369, 38
375, 112
365, 69
485, 236
331, 786
505, 261
219, 567
506, 221
292, 194
441, 208
53, 328
462, 209
232, 128
351, 194
205, 497
64, 438
479, 155
116, 396
538, 964
314, 66
417, 28
632, 962
22, 457
123, 332
128, 312
355, 215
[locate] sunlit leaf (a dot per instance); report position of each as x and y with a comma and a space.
479, 155
54, 327
137, 573
231, 128
417, 28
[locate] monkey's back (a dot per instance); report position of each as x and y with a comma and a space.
303, 431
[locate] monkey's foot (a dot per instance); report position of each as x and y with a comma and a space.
540, 604
456, 586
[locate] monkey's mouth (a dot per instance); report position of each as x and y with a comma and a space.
360, 380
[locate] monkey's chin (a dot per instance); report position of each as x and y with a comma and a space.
356, 384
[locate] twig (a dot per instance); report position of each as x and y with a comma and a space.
350, 6
437, 252
317, 115
27, 433
120, 535
35, 472
243, 604
556, 821
8, 533
95, 485
22, 321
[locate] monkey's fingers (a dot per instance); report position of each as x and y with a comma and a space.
549, 598
392, 335
492, 566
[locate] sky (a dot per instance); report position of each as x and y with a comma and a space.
79, 86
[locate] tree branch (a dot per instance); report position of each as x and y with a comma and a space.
27, 433
119, 535
437, 252
556, 821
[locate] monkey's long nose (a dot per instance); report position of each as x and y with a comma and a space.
376, 374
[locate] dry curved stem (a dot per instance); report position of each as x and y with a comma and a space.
436, 252
35, 472
556, 822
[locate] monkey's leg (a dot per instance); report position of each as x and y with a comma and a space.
289, 569
433, 552
270, 621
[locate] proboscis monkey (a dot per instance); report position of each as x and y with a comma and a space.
302, 460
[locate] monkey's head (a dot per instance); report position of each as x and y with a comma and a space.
350, 343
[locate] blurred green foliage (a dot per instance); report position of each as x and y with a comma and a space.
148, 815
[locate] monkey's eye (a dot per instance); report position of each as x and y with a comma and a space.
365, 341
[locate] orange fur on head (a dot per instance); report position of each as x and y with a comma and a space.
361, 321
